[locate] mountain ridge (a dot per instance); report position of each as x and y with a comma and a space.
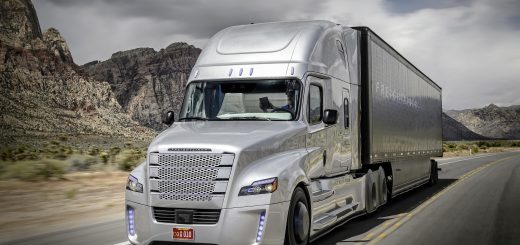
42, 90
491, 121
147, 83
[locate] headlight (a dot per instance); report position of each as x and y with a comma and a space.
260, 187
134, 185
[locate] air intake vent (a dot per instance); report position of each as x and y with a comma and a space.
199, 216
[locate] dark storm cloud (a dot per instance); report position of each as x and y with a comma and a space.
198, 19
409, 6
469, 47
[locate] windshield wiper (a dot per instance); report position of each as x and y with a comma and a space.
247, 118
194, 118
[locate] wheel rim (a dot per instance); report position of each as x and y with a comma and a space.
301, 222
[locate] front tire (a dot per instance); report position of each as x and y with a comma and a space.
298, 219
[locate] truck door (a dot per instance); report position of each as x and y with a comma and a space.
316, 141
338, 135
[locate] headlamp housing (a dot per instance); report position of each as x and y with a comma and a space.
260, 187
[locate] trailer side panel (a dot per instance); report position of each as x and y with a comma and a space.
402, 107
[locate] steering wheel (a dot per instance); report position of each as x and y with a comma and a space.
283, 110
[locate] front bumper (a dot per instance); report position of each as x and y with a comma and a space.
235, 226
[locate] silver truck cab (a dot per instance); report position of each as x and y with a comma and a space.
266, 148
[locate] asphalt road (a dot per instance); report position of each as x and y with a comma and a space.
477, 201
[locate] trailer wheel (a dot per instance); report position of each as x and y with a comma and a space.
384, 191
371, 192
298, 219
434, 174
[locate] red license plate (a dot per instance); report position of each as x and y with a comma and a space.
183, 233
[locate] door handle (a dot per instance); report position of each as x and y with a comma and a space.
324, 157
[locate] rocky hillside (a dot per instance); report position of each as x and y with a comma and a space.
491, 121
452, 130
147, 82
41, 91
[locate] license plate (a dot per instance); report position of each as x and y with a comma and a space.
183, 233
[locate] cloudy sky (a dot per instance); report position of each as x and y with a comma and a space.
471, 48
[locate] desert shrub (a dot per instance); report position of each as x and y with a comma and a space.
462, 147
114, 150
128, 159
515, 144
52, 168
104, 157
6, 154
24, 170
483, 147
93, 151
82, 162
483, 144
32, 170
474, 149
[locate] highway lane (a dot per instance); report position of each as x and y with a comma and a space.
483, 209
365, 229
476, 201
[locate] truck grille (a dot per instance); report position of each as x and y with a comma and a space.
190, 160
189, 176
200, 216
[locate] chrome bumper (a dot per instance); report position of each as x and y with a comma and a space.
235, 226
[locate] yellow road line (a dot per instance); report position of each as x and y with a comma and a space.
406, 216
381, 227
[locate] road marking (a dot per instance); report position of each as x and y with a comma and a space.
123, 243
465, 159
407, 216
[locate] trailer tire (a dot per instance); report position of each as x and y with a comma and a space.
298, 219
434, 174
371, 192
384, 191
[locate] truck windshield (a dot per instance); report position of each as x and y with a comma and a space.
242, 100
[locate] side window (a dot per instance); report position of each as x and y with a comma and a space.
346, 119
315, 110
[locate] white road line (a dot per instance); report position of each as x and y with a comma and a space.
123, 243
463, 160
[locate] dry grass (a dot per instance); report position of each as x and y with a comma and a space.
38, 207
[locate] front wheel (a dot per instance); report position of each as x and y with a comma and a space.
298, 219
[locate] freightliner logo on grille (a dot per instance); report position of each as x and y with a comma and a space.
189, 149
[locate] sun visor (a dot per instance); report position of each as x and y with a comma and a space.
259, 38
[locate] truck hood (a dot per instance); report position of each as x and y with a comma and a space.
232, 136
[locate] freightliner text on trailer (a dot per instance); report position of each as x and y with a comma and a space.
286, 130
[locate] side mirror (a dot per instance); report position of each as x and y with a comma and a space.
168, 118
330, 116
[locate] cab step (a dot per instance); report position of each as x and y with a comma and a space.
321, 195
325, 219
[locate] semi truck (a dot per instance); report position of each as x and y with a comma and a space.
287, 130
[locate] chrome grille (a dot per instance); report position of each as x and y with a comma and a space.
196, 177
206, 174
193, 198
190, 160
191, 187
200, 216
